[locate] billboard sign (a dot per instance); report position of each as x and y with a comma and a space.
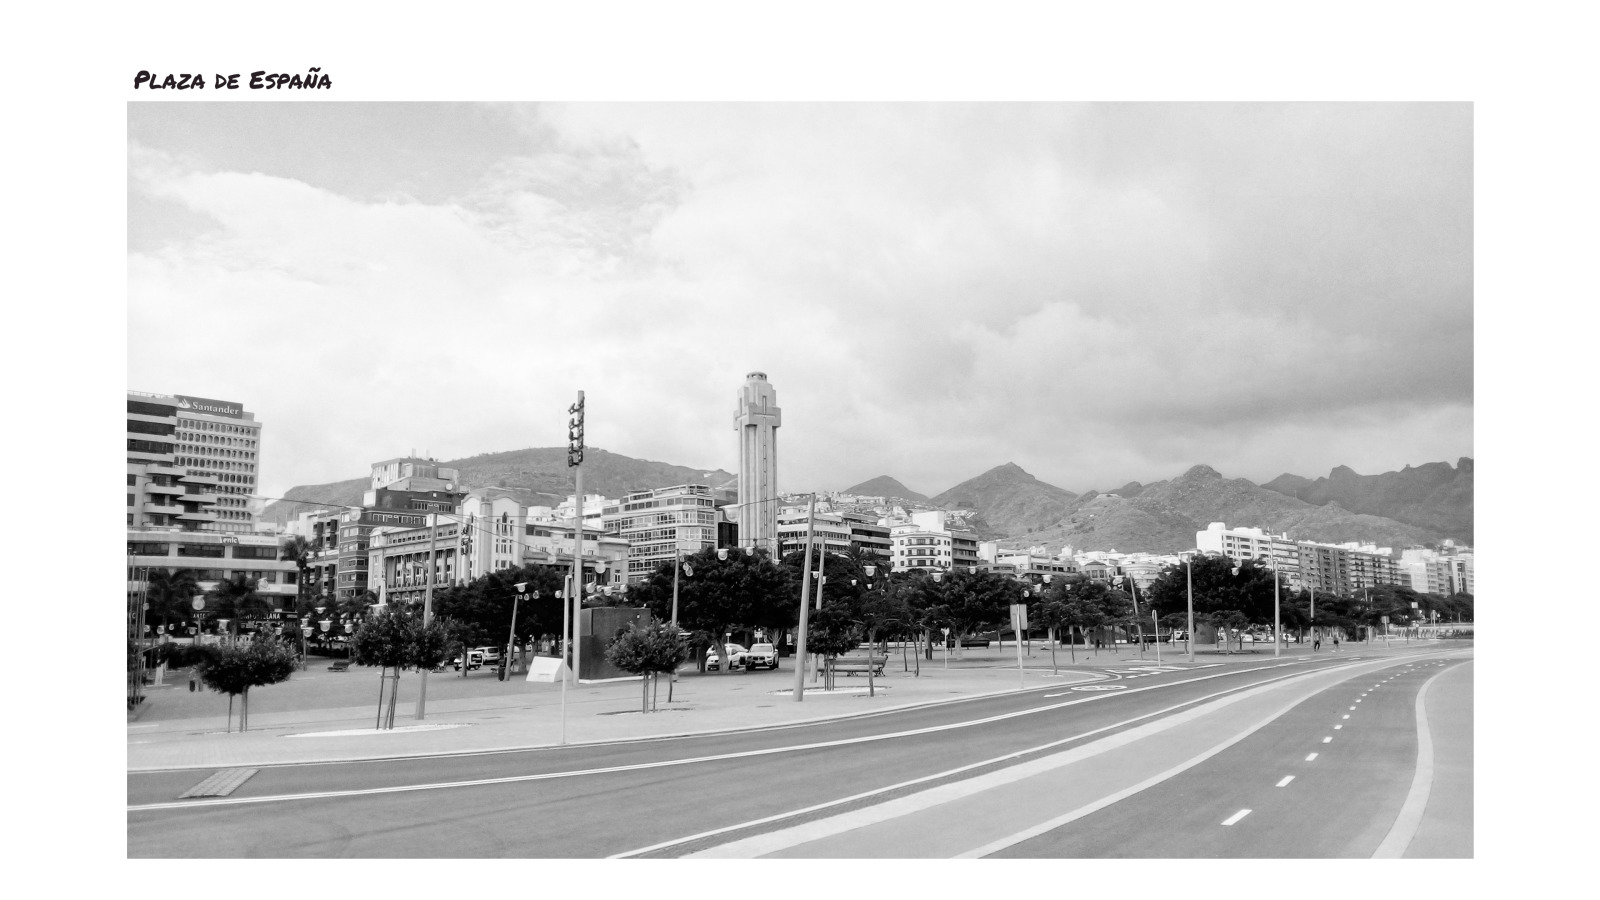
211, 407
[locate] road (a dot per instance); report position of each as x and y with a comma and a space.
1145, 764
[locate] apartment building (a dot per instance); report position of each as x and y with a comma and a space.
659, 524
1239, 544
928, 544
214, 557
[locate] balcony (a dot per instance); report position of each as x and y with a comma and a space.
197, 516
154, 488
187, 478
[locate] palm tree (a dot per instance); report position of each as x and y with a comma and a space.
169, 592
298, 549
236, 598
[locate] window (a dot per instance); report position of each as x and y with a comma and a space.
130, 499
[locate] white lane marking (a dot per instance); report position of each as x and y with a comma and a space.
774, 841
1352, 709
1406, 823
1328, 739
1236, 817
1286, 780
1310, 757
1337, 727
1346, 715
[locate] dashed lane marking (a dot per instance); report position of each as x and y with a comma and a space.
1337, 727
1286, 780
1310, 757
1328, 739
1236, 817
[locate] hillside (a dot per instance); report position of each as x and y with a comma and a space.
884, 486
536, 476
1163, 517
1008, 500
1432, 496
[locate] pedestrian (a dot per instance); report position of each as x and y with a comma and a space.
1316, 643
1336, 643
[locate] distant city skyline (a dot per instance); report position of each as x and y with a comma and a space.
1098, 293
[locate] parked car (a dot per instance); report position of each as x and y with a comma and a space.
761, 656
735, 655
490, 655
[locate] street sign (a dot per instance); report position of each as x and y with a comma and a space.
1385, 619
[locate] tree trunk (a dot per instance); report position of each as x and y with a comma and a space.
1053, 669
644, 693
230, 714
244, 711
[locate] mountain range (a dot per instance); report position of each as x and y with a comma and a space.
535, 476
1419, 505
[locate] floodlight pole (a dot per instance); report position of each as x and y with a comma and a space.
805, 597
427, 617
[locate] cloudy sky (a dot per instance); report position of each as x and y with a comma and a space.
1096, 292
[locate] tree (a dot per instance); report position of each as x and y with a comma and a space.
169, 594
298, 550
235, 598
978, 601
744, 590
1228, 621
236, 668
647, 651
1219, 584
395, 638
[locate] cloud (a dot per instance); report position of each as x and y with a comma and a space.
1096, 292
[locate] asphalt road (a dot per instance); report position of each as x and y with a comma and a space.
680, 796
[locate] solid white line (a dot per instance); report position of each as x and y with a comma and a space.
1310, 757
1286, 780
1406, 823
1236, 816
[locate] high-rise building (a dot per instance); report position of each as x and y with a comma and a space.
757, 419
193, 463
191, 467
659, 524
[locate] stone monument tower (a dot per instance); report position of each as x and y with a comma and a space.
757, 419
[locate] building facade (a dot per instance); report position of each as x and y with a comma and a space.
659, 524
757, 418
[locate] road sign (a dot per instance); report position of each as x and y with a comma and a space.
1385, 619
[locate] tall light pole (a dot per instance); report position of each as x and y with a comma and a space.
1277, 636
575, 463
427, 617
805, 597
1188, 564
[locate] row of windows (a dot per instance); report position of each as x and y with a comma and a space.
138, 427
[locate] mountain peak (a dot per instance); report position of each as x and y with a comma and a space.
1202, 471
885, 486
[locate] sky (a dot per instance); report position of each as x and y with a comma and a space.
1096, 292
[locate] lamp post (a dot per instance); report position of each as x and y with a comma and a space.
1188, 643
805, 595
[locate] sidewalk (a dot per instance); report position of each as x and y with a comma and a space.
529, 715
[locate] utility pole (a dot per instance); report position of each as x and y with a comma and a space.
427, 617
805, 606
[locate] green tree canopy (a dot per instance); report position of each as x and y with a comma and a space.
235, 598
234, 669
744, 590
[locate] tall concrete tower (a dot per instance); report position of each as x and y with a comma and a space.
757, 419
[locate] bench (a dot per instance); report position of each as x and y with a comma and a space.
852, 665
340, 666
